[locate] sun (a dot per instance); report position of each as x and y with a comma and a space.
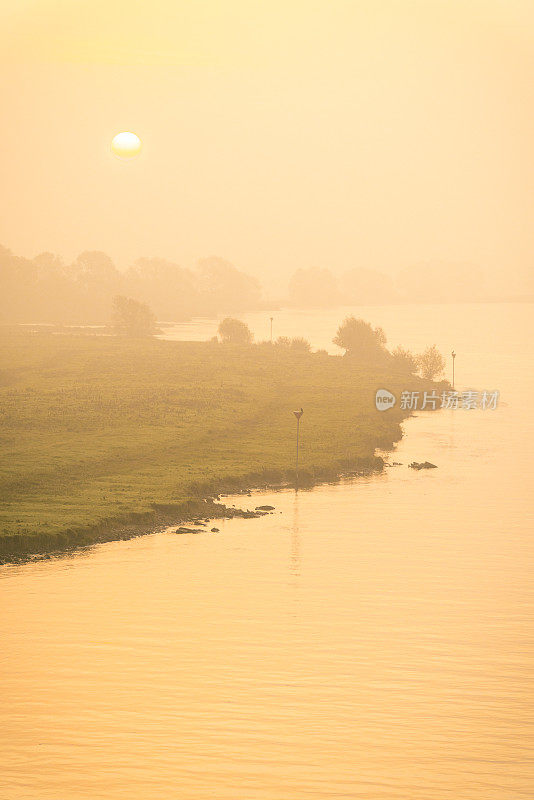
126, 145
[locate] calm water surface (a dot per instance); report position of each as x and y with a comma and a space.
370, 639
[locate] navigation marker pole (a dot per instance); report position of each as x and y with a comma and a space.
298, 415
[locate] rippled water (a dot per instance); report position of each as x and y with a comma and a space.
370, 639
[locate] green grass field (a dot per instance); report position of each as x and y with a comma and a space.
99, 431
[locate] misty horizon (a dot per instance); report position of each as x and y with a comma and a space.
47, 289
334, 136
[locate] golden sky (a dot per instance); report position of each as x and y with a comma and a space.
276, 134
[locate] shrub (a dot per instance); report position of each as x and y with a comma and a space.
359, 339
431, 363
132, 318
234, 331
283, 341
404, 360
300, 345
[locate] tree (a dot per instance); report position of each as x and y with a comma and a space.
360, 340
18, 296
49, 262
95, 268
233, 331
168, 288
95, 281
431, 363
226, 289
404, 360
132, 318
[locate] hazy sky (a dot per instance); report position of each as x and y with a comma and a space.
276, 134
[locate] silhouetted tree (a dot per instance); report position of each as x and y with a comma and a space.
18, 278
360, 340
404, 360
233, 331
96, 281
132, 318
226, 288
93, 267
48, 262
431, 363
168, 288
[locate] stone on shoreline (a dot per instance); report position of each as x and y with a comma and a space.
422, 465
187, 530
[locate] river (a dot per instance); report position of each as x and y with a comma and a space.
370, 639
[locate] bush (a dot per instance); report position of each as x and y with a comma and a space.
132, 318
234, 331
300, 345
431, 363
404, 360
359, 339
297, 344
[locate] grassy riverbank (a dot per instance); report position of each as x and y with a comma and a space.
100, 434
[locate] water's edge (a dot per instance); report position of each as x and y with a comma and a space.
20, 549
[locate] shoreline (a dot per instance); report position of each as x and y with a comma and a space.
38, 547
108, 438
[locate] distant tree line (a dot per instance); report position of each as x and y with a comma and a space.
47, 290
428, 282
